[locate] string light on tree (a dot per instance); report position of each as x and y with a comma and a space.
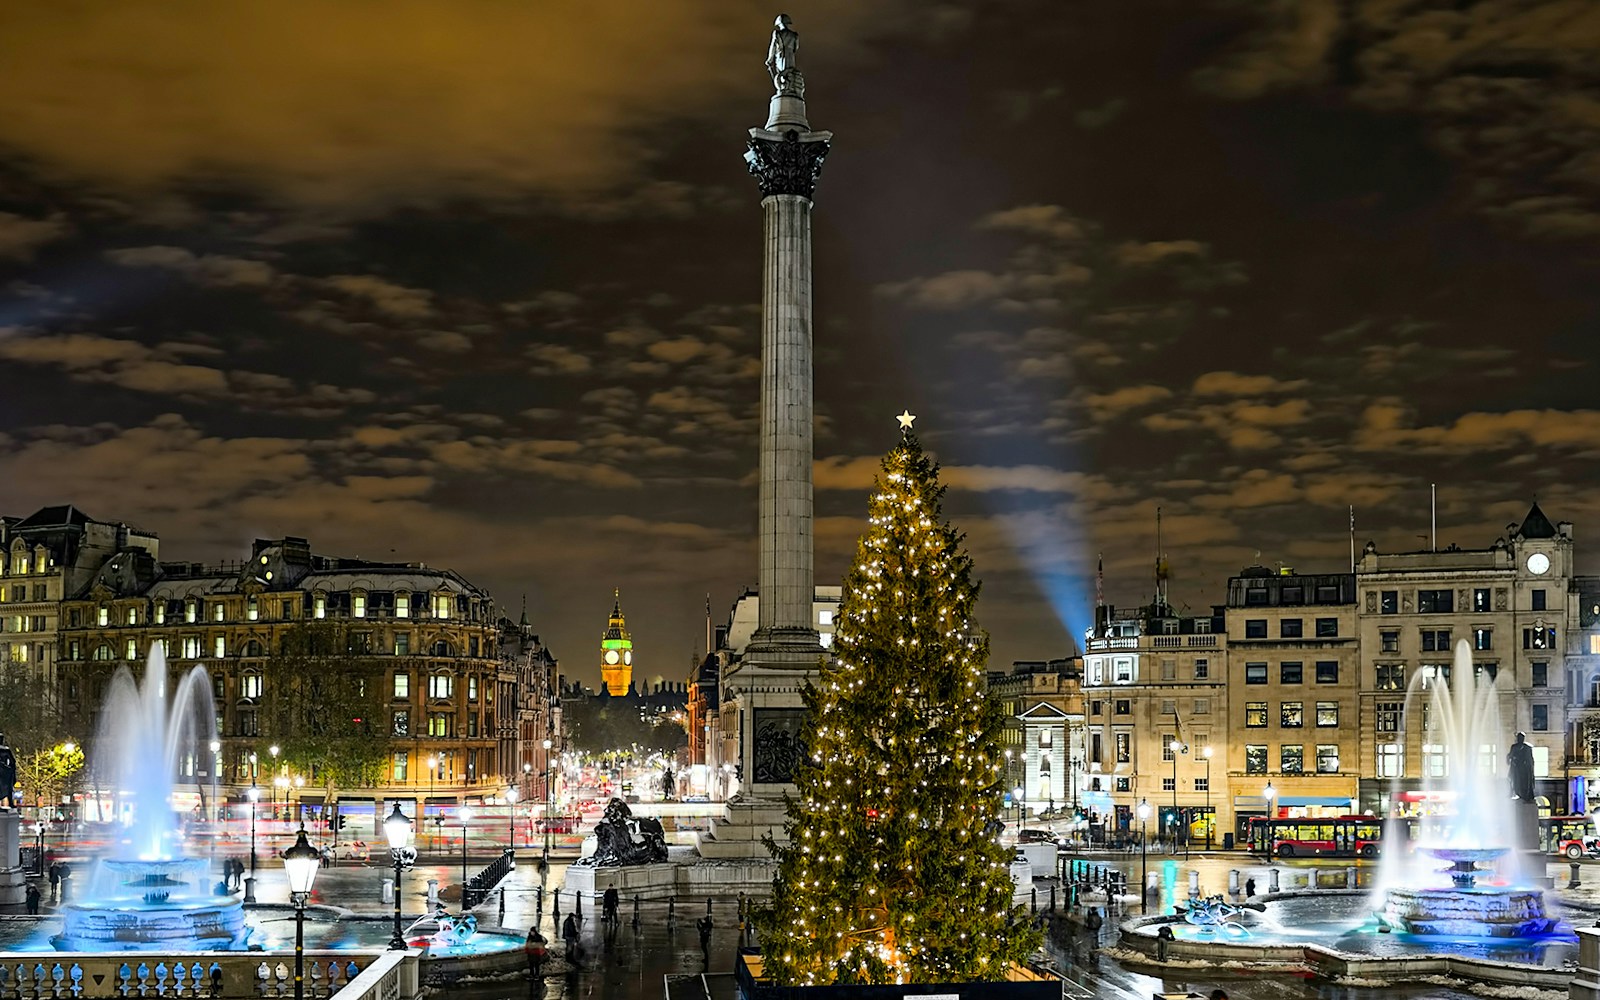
893, 872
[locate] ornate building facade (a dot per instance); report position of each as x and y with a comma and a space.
616, 651
452, 701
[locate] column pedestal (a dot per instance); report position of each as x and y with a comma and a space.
13, 880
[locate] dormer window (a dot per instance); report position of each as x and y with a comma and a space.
252, 609
217, 611
102, 616
402, 605
161, 612
319, 606
133, 616
442, 605
358, 605
191, 611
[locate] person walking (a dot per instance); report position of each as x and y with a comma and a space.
55, 880
703, 925
536, 950
609, 903
32, 896
569, 934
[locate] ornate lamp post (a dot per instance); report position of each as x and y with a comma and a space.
216, 767
274, 750
433, 770
1177, 746
1144, 870
1016, 796
1268, 793
465, 813
301, 863
511, 818
255, 796
1211, 822
547, 799
397, 828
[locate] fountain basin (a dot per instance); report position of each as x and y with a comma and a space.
155, 905
1474, 912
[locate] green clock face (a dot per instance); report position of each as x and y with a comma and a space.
611, 656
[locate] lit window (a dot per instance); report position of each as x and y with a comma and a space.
1292, 758
402, 605
441, 686
825, 639
441, 605
401, 725
1327, 758
825, 617
1255, 714
161, 612
191, 611
191, 647
402, 685
252, 610
219, 647
1389, 716
1391, 763
102, 617
1255, 758
1124, 748
441, 724
133, 616
472, 688
1291, 715
358, 605
217, 611
398, 770
1435, 763
1327, 714
250, 686
130, 650
319, 606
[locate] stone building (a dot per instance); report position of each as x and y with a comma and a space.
1153, 678
45, 558
1291, 704
616, 651
429, 637
528, 712
1043, 738
1513, 603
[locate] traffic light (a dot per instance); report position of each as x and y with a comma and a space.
341, 822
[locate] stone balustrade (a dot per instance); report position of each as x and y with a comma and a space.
198, 975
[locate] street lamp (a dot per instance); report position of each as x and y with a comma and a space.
216, 766
1144, 871
274, 750
547, 800
1211, 821
255, 795
1177, 747
433, 770
1267, 793
299, 798
1016, 796
300, 862
511, 818
397, 828
38, 828
466, 815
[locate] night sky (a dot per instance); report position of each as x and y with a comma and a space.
478, 284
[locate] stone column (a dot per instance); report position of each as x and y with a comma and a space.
786, 158
12, 877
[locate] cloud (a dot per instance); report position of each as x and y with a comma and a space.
555, 359
395, 301
1388, 424
352, 105
1290, 47
204, 269
1235, 384
1035, 220
20, 236
1113, 404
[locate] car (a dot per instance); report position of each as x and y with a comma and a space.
1577, 847
1036, 837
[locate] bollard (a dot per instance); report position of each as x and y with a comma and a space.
249, 890
1233, 881
1194, 884
577, 904
433, 891
538, 903
1311, 879
1350, 877
1272, 880
1577, 880
708, 906
636, 913
672, 909
502, 920
555, 905
388, 890
1052, 899
1033, 901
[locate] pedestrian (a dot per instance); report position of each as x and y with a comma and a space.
32, 895
569, 934
536, 951
55, 880
1249, 887
609, 904
703, 925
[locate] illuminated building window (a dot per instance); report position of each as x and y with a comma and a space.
191, 647
1391, 762
400, 766
402, 605
1255, 758
441, 686
1291, 715
252, 609
825, 617
1292, 758
825, 639
217, 611
191, 612
102, 616
130, 650
1255, 714
250, 686
1327, 758
1327, 714
358, 605
219, 647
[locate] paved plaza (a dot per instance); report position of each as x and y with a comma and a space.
633, 960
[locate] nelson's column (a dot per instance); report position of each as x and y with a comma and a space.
762, 690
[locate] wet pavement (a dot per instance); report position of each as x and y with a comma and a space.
631, 961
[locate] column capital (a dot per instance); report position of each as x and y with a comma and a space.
787, 162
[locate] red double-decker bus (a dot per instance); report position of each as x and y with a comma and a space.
1317, 837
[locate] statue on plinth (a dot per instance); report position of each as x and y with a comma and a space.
8, 774
624, 839
782, 58
1519, 768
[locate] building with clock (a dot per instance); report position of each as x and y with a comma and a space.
616, 651
1513, 603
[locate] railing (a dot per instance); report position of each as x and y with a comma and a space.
220, 975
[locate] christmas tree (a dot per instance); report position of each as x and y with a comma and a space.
894, 872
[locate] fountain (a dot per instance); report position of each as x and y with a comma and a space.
1463, 732
150, 898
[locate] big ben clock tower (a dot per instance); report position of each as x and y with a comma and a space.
616, 652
